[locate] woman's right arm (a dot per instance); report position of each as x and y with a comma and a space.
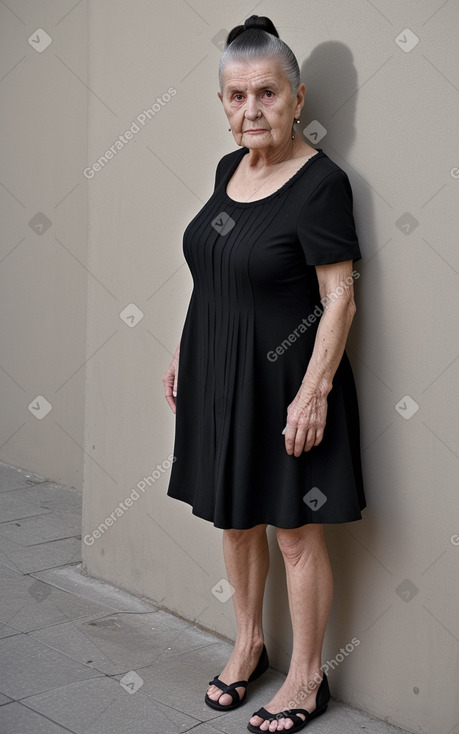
170, 379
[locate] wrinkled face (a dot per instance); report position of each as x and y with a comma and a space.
259, 104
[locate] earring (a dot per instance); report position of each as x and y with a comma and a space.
293, 132
229, 129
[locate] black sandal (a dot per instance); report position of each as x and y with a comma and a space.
261, 667
323, 697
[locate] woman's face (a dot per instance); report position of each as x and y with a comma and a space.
258, 102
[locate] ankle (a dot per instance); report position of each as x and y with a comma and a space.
305, 683
309, 671
249, 645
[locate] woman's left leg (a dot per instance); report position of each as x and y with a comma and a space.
310, 591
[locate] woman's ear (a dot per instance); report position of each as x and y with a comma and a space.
300, 97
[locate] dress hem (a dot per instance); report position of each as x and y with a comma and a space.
284, 526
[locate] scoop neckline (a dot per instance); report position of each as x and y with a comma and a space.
289, 181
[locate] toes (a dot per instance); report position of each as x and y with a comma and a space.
225, 700
289, 723
280, 724
259, 722
265, 725
212, 691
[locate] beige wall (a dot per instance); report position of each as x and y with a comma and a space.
115, 239
44, 243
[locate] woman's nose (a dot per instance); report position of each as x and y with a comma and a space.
252, 108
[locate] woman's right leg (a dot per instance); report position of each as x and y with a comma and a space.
246, 556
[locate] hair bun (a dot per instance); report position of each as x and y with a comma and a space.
255, 22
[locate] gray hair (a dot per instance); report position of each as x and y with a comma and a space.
254, 44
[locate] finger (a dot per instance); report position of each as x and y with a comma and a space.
319, 436
171, 400
309, 439
290, 434
300, 440
169, 395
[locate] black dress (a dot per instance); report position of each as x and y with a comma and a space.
247, 339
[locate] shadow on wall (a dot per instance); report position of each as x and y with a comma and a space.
331, 88
331, 97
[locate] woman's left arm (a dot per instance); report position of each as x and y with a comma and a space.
307, 413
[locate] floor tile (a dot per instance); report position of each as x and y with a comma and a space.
12, 478
18, 719
17, 505
28, 604
6, 631
35, 530
51, 496
28, 667
209, 729
120, 642
103, 706
40, 557
70, 578
112, 645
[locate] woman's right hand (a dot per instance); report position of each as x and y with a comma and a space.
170, 379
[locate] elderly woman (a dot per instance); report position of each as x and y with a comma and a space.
267, 427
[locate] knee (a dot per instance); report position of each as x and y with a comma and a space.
235, 536
299, 543
240, 537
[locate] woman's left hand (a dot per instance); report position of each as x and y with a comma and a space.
306, 418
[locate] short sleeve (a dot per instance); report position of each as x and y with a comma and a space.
326, 227
218, 174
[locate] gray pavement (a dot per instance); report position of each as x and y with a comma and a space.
78, 655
